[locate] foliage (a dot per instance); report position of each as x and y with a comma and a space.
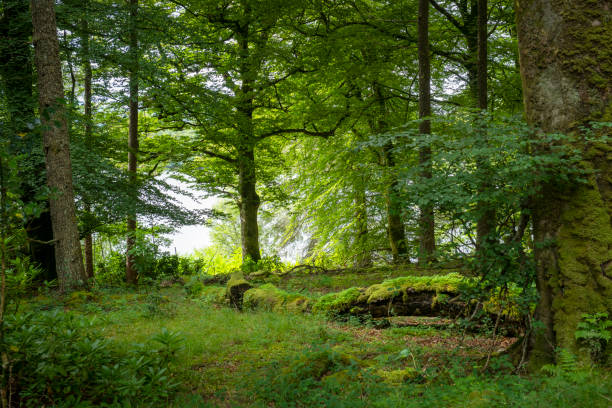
57, 359
594, 333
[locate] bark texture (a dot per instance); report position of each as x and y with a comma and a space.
131, 274
56, 144
426, 217
566, 66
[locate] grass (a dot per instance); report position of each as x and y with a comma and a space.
263, 358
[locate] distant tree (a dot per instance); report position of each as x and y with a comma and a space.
56, 144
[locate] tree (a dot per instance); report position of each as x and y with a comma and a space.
130, 270
565, 59
87, 82
17, 77
56, 146
426, 216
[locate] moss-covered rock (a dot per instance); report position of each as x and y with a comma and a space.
269, 297
236, 287
338, 303
389, 289
214, 294
398, 376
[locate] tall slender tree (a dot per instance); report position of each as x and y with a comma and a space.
565, 59
130, 268
87, 81
426, 216
56, 145
486, 222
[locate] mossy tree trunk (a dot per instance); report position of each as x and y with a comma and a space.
566, 66
56, 145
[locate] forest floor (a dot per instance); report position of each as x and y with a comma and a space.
230, 358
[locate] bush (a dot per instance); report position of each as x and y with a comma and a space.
57, 359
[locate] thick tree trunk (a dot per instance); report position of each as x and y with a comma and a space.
17, 80
426, 217
56, 143
248, 204
89, 271
565, 59
249, 200
130, 269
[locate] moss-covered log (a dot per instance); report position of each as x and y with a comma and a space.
406, 296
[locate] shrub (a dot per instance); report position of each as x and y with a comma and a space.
57, 359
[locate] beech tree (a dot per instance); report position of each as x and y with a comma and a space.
565, 57
56, 146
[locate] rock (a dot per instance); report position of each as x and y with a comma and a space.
236, 287
398, 376
269, 297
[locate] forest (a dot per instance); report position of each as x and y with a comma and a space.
408, 203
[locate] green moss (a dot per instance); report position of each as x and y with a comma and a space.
583, 243
269, 297
213, 294
398, 376
338, 303
402, 286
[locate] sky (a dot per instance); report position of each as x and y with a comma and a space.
188, 238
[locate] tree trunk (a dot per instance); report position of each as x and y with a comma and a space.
249, 204
89, 271
130, 269
486, 222
56, 143
17, 80
565, 59
395, 223
426, 217
249, 201
363, 257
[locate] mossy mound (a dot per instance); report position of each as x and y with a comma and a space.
214, 294
398, 376
338, 303
236, 287
389, 289
320, 363
269, 297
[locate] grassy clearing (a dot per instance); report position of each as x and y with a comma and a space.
264, 358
